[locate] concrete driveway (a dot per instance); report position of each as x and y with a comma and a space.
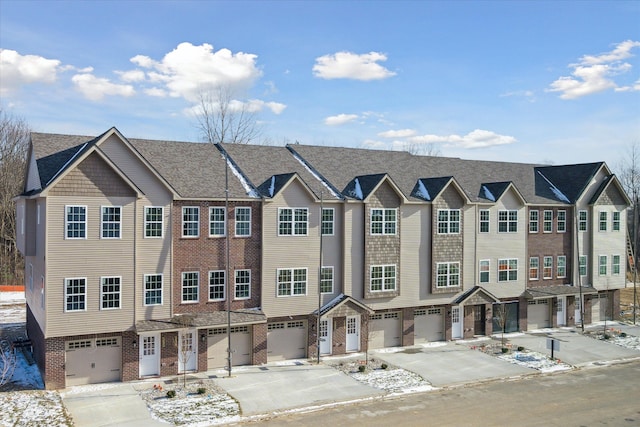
451, 364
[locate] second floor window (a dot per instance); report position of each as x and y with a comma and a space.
448, 221
615, 224
111, 222
533, 221
190, 285
507, 221
484, 271
582, 265
190, 221
547, 267
217, 222
326, 280
582, 221
603, 221
561, 266
547, 222
292, 281
447, 274
534, 267
153, 289
383, 278
293, 221
153, 221
615, 264
75, 292
76, 222
243, 222
243, 284
484, 220
562, 221
327, 221
216, 285
383, 221
507, 270
109, 293
602, 265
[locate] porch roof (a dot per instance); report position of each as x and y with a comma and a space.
216, 319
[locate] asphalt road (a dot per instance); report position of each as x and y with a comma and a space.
604, 395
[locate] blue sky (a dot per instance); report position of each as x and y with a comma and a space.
553, 82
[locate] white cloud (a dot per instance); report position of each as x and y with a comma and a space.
96, 88
595, 73
188, 69
374, 145
476, 139
340, 119
257, 105
157, 92
132, 76
18, 70
401, 133
527, 94
347, 65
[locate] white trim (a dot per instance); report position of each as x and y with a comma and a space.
102, 222
292, 282
145, 222
84, 294
224, 285
119, 292
85, 222
182, 287
235, 284
224, 221
144, 290
190, 222
235, 216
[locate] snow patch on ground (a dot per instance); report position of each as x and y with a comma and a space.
535, 360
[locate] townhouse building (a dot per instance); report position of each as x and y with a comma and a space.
141, 254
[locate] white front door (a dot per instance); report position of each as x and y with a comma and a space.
562, 319
149, 355
456, 323
325, 336
577, 313
353, 333
187, 351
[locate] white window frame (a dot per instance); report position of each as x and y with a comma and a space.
509, 270
216, 223
297, 220
326, 223
191, 219
603, 220
451, 273
239, 215
547, 221
484, 263
615, 221
387, 283
214, 284
615, 265
291, 287
561, 266
68, 234
583, 221
547, 267
535, 268
582, 265
187, 285
561, 221
486, 222
149, 291
508, 221
603, 260
445, 222
151, 226
237, 284
534, 224
326, 270
104, 293
117, 223
82, 295
386, 225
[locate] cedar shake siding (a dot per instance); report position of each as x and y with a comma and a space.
447, 247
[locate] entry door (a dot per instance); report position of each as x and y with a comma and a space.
325, 336
456, 323
578, 317
149, 355
562, 317
187, 351
478, 320
353, 333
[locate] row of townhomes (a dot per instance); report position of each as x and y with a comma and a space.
129, 273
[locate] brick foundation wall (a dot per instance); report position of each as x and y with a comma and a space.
339, 335
571, 311
169, 354
54, 369
408, 327
130, 365
259, 338
523, 323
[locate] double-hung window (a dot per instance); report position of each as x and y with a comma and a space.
216, 285
382, 278
326, 280
217, 222
582, 265
383, 221
534, 267
111, 218
603, 221
447, 274
561, 266
153, 289
109, 293
547, 221
615, 264
547, 267
153, 221
243, 221
507, 221
582, 221
190, 285
190, 221
293, 221
243, 284
602, 265
562, 221
484, 220
615, 221
75, 294
76, 222
507, 270
327, 221
448, 221
292, 281
484, 271
533, 221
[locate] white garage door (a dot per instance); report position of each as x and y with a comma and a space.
428, 325
385, 330
286, 340
93, 361
217, 347
538, 314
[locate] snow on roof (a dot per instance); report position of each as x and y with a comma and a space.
422, 191
358, 190
315, 175
488, 194
555, 189
250, 191
272, 187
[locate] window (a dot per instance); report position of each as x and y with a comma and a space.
562, 221
292, 281
447, 274
534, 267
243, 284
582, 265
75, 294
217, 222
293, 221
190, 221
327, 221
448, 221
243, 222
507, 221
484, 271
615, 224
111, 222
216, 285
547, 267
602, 265
153, 221
190, 284
153, 289
109, 293
615, 264
582, 220
76, 222
533, 221
561, 266
484, 220
507, 270
326, 280
603, 221
547, 222
383, 221
382, 278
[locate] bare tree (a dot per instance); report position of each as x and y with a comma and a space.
186, 342
14, 143
8, 362
224, 119
629, 169
501, 314
416, 149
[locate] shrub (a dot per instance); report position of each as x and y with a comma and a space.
361, 368
202, 390
171, 394
606, 336
384, 366
623, 334
520, 348
505, 350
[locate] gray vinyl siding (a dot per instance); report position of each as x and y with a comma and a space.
38, 262
33, 178
332, 251
354, 229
